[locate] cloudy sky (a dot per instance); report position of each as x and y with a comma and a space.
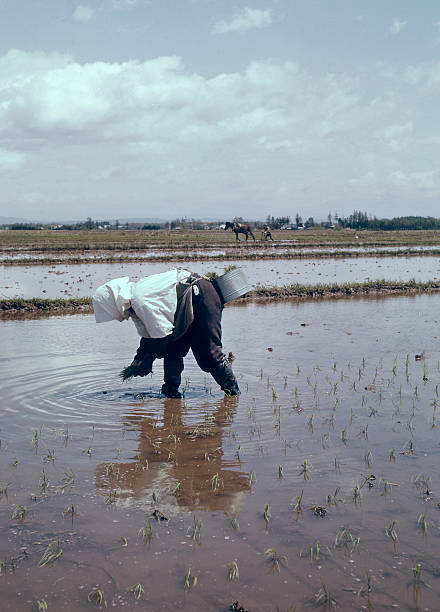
216, 108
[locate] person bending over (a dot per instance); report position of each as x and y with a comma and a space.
203, 337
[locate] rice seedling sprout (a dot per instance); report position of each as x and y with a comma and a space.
305, 468
137, 590
146, 533
266, 514
390, 531
233, 573
190, 580
51, 554
19, 512
275, 560
324, 596
422, 523
194, 532
97, 597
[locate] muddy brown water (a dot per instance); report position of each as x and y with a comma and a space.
81, 280
351, 388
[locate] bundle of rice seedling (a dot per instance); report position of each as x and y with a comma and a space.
130, 371
141, 367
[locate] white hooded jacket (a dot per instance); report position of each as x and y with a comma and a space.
112, 300
151, 302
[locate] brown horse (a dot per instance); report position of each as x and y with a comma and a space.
239, 228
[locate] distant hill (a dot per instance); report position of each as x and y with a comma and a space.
122, 220
9, 220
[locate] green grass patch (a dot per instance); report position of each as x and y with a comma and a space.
46, 305
381, 287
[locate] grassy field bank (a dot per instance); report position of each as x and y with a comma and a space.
127, 240
21, 307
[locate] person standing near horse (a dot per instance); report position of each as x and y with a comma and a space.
266, 234
239, 228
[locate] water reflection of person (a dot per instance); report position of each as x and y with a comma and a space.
186, 461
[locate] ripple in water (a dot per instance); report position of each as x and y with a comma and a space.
82, 394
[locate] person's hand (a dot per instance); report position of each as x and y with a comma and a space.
144, 366
137, 363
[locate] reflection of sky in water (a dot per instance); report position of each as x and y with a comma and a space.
64, 370
70, 364
82, 279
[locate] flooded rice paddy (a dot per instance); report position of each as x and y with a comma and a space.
317, 487
80, 280
279, 248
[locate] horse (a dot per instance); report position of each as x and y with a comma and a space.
239, 228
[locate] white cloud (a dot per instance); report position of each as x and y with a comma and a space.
127, 5
397, 130
245, 19
275, 146
366, 180
424, 180
427, 74
83, 13
397, 26
11, 160
103, 134
437, 29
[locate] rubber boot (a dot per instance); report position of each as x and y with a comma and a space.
224, 376
172, 370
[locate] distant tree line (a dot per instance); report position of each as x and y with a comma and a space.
25, 226
361, 220
278, 222
358, 220
82, 225
187, 223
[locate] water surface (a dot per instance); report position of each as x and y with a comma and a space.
82, 279
349, 387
